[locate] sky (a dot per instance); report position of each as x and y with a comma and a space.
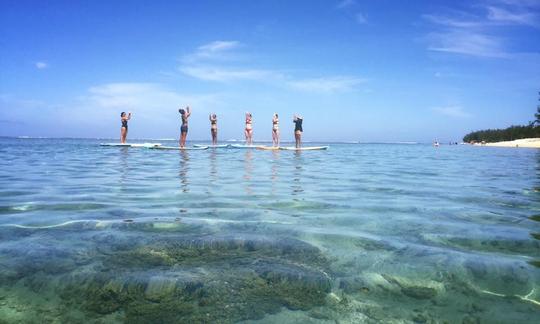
356, 70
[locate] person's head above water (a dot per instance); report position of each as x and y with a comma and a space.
181, 111
214, 116
123, 114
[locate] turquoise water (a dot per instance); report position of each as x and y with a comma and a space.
359, 233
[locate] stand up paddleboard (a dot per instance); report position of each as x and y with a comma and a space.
307, 148
240, 146
131, 145
177, 148
268, 148
212, 146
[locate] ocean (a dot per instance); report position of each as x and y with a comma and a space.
360, 233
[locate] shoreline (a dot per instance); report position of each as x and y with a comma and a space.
524, 142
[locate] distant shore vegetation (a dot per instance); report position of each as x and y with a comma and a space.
511, 133
500, 135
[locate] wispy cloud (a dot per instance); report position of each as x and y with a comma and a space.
41, 65
452, 111
361, 18
345, 3
467, 43
145, 97
500, 15
202, 65
453, 21
327, 85
219, 74
217, 50
476, 33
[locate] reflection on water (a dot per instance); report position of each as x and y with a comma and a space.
248, 171
274, 170
296, 184
124, 165
183, 171
213, 166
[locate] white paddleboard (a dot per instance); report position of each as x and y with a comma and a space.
212, 146
178, 148
306, 148
240, 146
269, 148
131, 144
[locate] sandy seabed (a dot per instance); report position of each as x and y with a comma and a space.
525, 142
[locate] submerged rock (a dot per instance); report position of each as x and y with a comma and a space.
211, 278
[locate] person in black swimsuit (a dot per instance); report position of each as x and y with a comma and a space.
124, 128
213, 128
184, 128
298, 130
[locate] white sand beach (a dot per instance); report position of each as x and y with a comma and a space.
525, 142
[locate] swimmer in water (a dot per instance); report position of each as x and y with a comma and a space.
249, 129
298, 130
124, 128
275, 130
213, 128
184, 128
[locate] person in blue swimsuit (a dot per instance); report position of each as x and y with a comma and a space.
184, 114
124, 128
298, 130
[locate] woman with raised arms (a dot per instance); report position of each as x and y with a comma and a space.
184, 114
213, 128
249, 129
124, 128
298, 130
275, 130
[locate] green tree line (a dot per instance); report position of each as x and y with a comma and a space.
508, 134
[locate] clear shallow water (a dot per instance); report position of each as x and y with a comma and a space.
358, 233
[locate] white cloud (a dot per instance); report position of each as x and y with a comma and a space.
41, 65
453, 22
345, 3
452, 111
361, 19
327, 84
217, 50
218, 46
209, 73
479, 34
503, 16
205, 67
146, 98
467, 43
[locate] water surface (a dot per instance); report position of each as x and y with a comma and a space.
358, 233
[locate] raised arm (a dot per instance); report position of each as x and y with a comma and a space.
188, 111
129, 116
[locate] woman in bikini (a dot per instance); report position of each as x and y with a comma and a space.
124, 128
249, 129
184, 114
213, 128
275, 130
298, 130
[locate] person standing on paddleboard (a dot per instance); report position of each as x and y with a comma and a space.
275, 130
213, 128
184, 114
249, 128
124, 128
298, 130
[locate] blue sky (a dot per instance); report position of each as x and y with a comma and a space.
367, 70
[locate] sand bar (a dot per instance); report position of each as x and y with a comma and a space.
525, 142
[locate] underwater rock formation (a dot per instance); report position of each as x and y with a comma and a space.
201, 279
